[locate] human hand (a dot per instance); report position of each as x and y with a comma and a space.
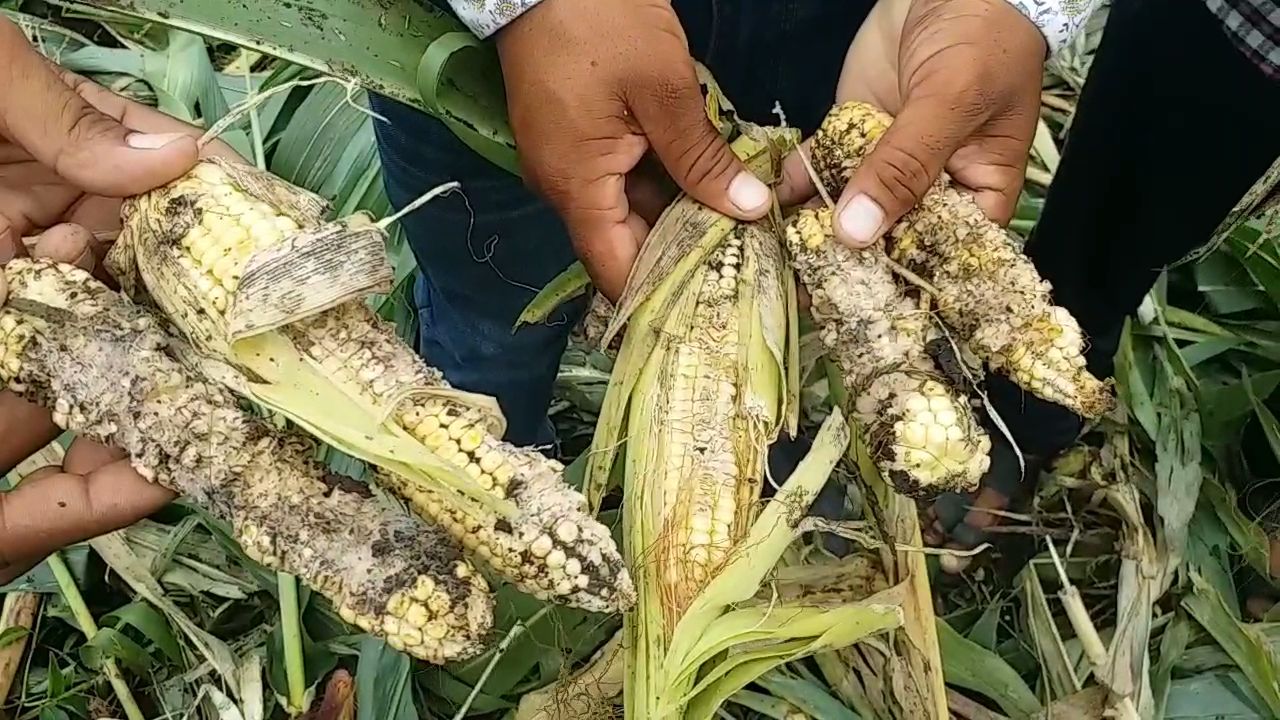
591, 88
95, 492
962, 78
70, 150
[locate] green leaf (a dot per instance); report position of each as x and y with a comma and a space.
972, 667
1227, 285
806, 695
39, 579
1246, 646
403, 50
151, 624
1220, 696
1177, 464
569, 284
383, 686
1225, 408
1173, 644
111, 643
1258, 256
1133, 375
11, 635
317, 660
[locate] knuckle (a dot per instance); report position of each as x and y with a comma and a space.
903, 174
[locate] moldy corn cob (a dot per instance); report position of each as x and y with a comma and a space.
360, 356
920, 430
988, 291
553, 549
249, 250
102, 365
708, 398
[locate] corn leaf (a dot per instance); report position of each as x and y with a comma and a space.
1248, 648
844, 626
569, 284
973, 667
412, 52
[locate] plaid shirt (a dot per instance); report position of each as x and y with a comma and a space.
1254, 26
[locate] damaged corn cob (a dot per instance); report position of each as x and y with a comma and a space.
699, 392
920, 430
252, 247
547, 545
552, 548
709, 474
987, 290
102, 365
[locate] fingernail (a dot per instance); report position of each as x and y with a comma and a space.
860, 220
747, 193
147, 141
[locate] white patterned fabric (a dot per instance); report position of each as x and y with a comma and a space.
1059, 20
485, 17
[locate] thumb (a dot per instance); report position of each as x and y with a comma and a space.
901, 168
44, 115
700, 161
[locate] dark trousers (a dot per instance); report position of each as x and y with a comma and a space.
1173, 127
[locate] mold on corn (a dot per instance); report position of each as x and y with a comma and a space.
988, 291
921, 431
185, 245
228, 251
103, 366
553, 549
703, 487
707, 401
233, 226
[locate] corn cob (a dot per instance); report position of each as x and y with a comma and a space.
706, 403
920, 431
102, 365
254, 248
704, 491
987, 290
552, 549
549, 547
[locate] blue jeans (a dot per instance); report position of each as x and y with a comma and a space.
482, 257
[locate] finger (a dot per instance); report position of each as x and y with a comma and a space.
607, 247
82, 144
905, 162
139, 117
994, 178
85, 456
33, 198
796, 185
673, 115
47, 513
24, 429
649, 190
10, 241
66, 243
